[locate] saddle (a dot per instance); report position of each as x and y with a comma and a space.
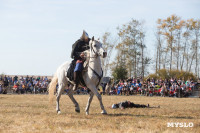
70, 73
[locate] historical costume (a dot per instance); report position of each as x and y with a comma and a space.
77, 54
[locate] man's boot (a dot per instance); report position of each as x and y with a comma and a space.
76, 80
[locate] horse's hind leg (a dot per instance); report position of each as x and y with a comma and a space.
59, 92
89, 102
70, 94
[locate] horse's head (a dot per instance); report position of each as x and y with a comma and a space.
97, 48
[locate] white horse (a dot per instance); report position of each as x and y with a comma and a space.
91, 77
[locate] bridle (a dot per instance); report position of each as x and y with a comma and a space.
95, 52
96, 55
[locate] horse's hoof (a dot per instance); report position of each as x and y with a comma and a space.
78, 111
87, 113
104, 112
58, 112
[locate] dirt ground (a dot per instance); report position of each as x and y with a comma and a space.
32, 113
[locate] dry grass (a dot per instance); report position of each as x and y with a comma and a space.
32, 113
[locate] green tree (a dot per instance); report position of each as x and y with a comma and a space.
119, 72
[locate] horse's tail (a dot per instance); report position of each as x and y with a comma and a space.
52, 87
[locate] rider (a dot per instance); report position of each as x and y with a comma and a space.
77, 54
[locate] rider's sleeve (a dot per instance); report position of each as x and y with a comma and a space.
72, 53
74, 49
77, 54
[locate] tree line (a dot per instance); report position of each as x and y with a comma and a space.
177, 45
176, 48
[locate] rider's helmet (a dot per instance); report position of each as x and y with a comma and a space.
85, 36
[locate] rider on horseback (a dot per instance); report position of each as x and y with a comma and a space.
77, 54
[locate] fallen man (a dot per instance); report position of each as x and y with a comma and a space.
128, 104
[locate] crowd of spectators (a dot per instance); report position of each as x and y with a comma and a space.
23, 85
132, 86
151, 87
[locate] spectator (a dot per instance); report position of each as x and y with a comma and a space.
119, 90
15, 79
1, 78
108, 89
27, 79
46, 79
5, 81
1, 87
38, 78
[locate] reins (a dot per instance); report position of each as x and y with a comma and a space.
99, 76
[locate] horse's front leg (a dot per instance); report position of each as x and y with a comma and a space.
89, 102
70, 94
94, 90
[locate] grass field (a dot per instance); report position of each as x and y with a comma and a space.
32, 113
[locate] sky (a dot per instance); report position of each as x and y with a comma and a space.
36, 36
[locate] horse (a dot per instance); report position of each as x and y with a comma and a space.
92, 77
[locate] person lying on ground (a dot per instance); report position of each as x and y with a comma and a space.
128, 104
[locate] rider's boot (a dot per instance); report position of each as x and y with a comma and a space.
76, 80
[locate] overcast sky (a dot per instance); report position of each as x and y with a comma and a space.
36, 36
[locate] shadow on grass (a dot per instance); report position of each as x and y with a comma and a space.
151, 116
